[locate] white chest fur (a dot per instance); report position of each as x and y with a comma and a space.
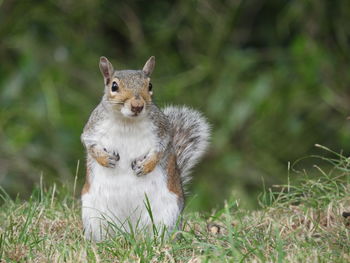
116, 194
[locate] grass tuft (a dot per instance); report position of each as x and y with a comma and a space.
302, 222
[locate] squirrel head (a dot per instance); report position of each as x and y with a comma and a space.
128, 91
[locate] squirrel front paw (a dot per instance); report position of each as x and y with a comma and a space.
144, 164
138, 164
107, 158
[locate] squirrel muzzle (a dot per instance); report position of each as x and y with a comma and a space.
136, 105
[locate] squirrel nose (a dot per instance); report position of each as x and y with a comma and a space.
136, 109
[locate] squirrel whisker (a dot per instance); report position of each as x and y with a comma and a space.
117, 103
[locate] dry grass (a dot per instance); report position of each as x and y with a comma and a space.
301, 223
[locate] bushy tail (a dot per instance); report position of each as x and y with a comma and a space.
191, 137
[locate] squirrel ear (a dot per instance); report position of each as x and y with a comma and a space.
106, 68
149, 66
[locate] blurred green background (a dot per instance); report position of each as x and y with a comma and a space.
272, 77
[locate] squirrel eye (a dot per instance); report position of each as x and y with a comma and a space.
150, 86
115, 86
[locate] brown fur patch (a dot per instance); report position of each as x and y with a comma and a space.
102, 159
145, 93
100, 156
174, 180
151, 163
86, 186
122, 95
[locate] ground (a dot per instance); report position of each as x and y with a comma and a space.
295, 223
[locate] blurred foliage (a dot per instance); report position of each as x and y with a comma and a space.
272, 77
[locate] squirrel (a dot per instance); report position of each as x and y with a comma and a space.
137, 154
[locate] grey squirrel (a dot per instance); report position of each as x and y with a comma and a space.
137, 151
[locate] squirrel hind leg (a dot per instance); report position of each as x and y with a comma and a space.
191, 137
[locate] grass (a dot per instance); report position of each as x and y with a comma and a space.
296, 223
